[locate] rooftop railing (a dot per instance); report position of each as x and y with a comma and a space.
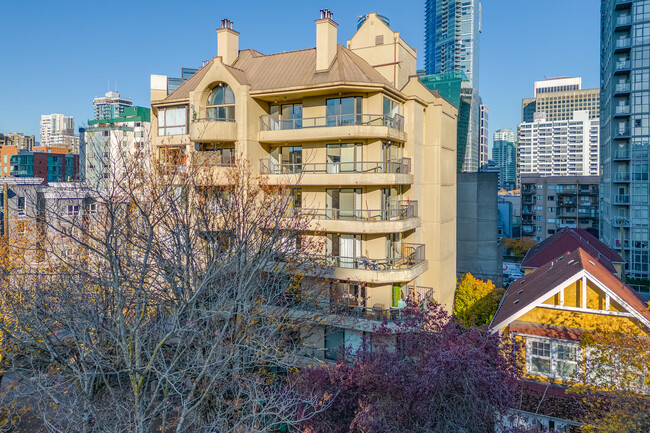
402, 166
269, 123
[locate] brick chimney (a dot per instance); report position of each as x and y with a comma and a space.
325, 40
227, 42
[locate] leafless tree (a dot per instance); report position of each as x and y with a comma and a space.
163, 303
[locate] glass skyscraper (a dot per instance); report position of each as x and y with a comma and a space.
625, 131
452, 30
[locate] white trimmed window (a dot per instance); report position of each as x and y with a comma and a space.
552, 358
73, 210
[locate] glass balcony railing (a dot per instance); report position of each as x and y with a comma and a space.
623, 87
623, 20
401, 166
622, 109
621, 133
212, 158
623, 43
621, 177
621, 66
622, 154
269, 123
404, 211
622, 199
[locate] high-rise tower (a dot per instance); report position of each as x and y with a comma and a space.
452, 31
625, 131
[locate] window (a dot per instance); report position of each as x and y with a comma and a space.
344, 158
92, 208
540, 357
221, 104
73, 210
550, 209
172, 121
344, 111
286, 159
21, 206
551, 198
552, 358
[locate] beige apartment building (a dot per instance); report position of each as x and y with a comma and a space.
373, 149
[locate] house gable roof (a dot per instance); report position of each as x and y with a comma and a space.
533, 289
565, 240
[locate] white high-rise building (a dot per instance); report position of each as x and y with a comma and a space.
559, 148
58, 130
110, 106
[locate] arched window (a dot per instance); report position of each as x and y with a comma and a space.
221, 104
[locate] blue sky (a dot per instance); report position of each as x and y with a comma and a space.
58, 56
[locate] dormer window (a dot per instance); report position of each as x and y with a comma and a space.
221, 104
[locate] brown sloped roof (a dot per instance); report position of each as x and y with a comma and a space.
288, 69
298, 68
530, 288
565, 240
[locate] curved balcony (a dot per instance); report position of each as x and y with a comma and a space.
345, 126
379, 271
211, 129
366, 221
339, 173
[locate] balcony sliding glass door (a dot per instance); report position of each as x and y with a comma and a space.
344, 111
344, 158
344, 204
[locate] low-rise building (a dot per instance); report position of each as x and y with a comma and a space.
557, 309
549, 203
51, 167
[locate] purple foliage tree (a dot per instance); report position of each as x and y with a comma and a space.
425, 374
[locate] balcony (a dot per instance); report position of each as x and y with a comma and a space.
377, 271
526, 199
618, 222
211, 129
623, 22
622, 110
398, 219
621, 154
622, 199
208, 158
340, 173
622, 177
623, 66
622, 44
345, 126
621, 4
622, 133
622, 88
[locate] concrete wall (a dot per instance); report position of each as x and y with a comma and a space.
478, 250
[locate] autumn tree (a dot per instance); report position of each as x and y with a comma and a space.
427, 373
518, 247
163, 307
476, 301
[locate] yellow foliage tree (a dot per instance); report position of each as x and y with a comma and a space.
476, 300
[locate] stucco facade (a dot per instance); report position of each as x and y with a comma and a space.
372, 149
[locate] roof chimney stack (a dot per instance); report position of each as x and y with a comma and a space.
325, 40
227, 42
